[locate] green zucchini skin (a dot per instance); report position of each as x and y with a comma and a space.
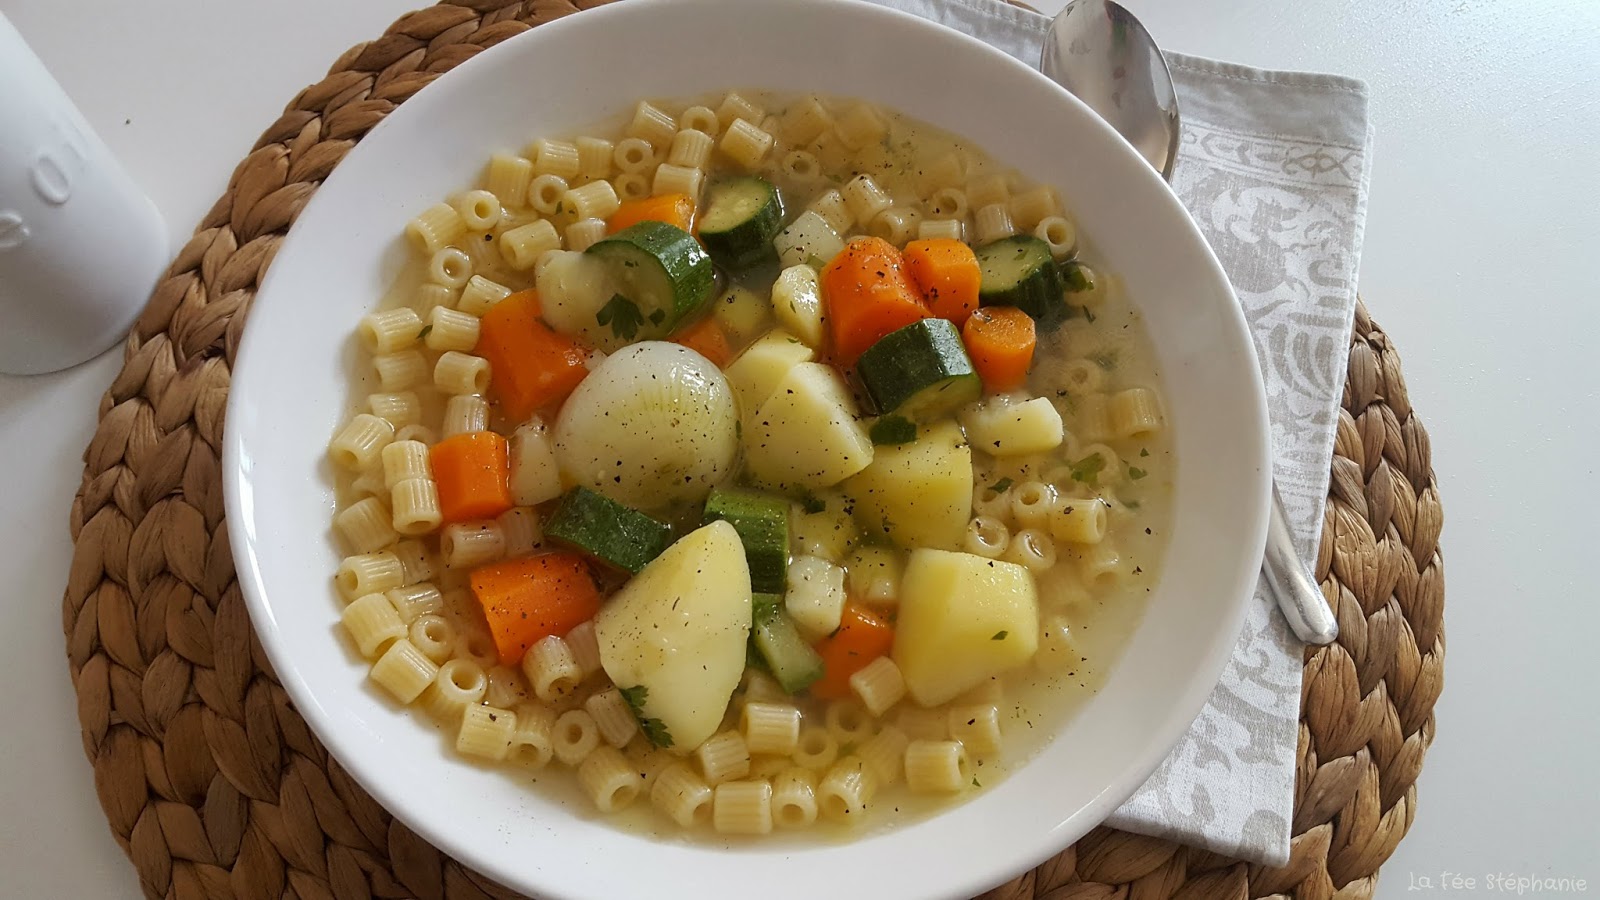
762, 521
778, 644
742, 217
920, 372
608, 531
1019, 271
662, 271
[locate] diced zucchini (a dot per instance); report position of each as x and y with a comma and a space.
607, 530
815, 597
759, 370
780, 647
1003, 425
741, 218
762, 521
662, 277
806, 435
921, 371
679, 630
797, 302
1019, 271
808, 241
892, 430
963, 619
917, 494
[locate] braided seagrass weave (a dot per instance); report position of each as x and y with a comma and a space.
215, 786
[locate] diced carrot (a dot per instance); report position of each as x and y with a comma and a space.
946, 271
862, 637
1000, 340
527, 599
673, 209
530, 366
867, 295
707, 338
472, 472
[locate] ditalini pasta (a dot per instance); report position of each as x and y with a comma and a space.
688, 451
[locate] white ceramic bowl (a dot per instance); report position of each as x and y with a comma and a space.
290, 393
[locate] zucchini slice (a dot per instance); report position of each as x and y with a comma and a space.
663, 278
792, 661
762, 521
920, 372
1019, 271
607, 530
742, 217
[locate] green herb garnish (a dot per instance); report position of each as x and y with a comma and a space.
1001, 486
426, 330
622, 315
1087, 470
893, 430
1136, 473
1077, 278
654, 730
811, 503
975, 782
1000, 635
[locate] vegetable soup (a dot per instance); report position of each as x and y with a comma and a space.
768, 462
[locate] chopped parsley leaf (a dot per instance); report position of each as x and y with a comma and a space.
654, 730
1087, 470
893, 430
1000, 635
426, 330
1136, 473
1001, 486
622, 315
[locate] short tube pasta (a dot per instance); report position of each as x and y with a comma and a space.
486, 732
885, 754
947, 171
794, 798
993, 222
450, 329
671, 179
459, 683
897, 225
403, 671
846, 789
609, 780
742, 807
987, 536
415, 505
435, 228
1033, 548
585, 649
450, 267
977, 727
878, 685
545, 193
507, 688
533, 742
770, 728
690, 149
369, 573
558, 158
464, 545
816, 749
390, 331
920, 723
860, 125
594, 158
574, 737
1101, 564
522, 246
507, 179
584, 233
461, 373
746, 144
1057, 652
737, 106
372, 623
847, 721
833, 209
1031, 502
651, 123
635, 155
1078, 521
551, 669
398, 371
936, 767
723, 757
1060, 234
433, 636
366, 525
865, 198
948, 203
479, 210
398, 409
522, 531
700, 118
939, 229
465, 413
612, 716
631, 186
416, 560
988, 190
801, 166
1033, 206
415, 600
594, 200
1134, 413
682, 795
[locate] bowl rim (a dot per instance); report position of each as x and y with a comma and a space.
981, 873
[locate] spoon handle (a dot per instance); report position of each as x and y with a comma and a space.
1292, 585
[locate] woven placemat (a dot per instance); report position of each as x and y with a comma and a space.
214, 785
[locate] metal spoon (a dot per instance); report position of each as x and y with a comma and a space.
1103, 55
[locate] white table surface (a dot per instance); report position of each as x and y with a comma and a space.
1480, 263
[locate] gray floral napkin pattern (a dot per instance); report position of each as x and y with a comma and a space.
1274, 168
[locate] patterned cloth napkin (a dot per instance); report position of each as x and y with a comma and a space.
1274, 168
